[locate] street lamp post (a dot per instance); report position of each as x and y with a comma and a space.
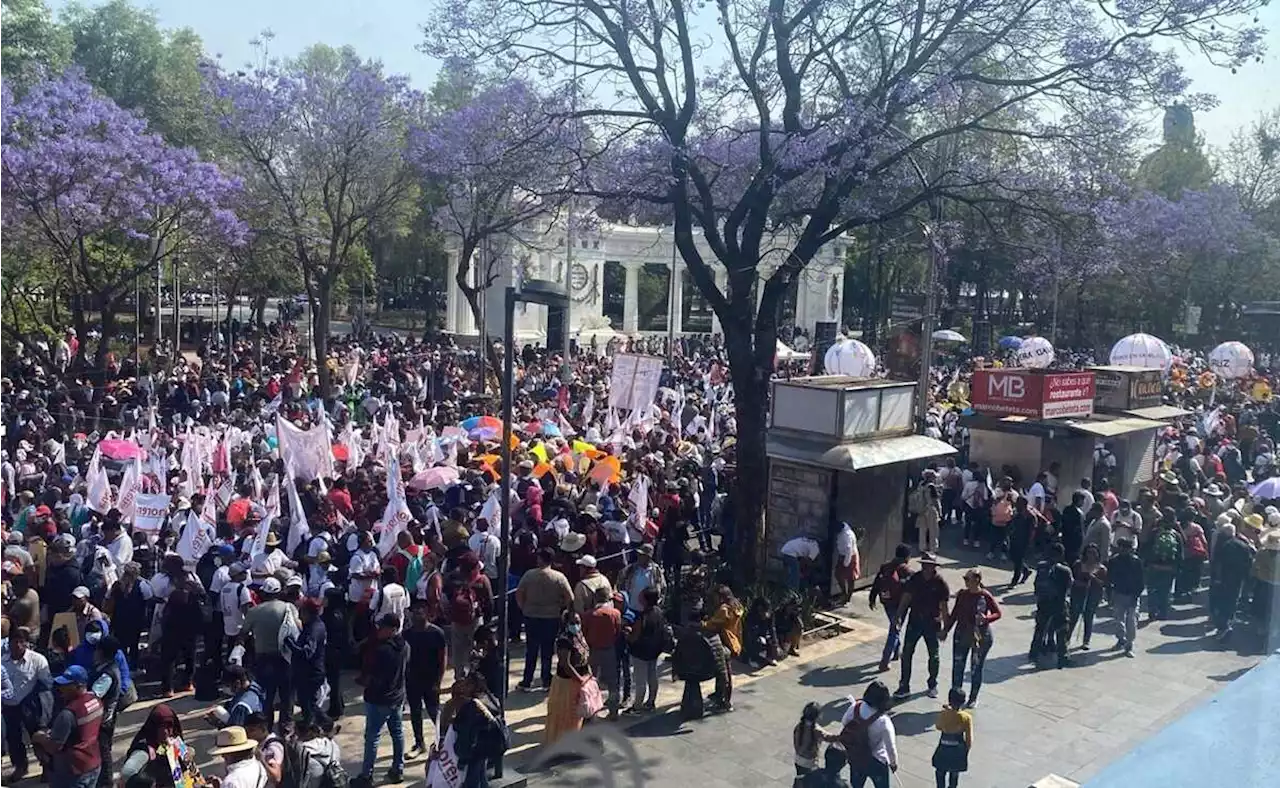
549, 294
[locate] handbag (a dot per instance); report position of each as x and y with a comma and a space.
590, 698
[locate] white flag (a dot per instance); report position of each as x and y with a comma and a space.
130, 487
209, 512
224, 493
98, 496
308, 451
639, 499
298, 527
492, 509
396, 517
259, 544
195, 540
589, 408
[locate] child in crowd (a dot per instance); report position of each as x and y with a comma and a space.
952, 754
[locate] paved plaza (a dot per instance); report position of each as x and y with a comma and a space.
1031, 722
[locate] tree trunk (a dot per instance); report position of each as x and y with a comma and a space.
108, 331
320, 321
751, 483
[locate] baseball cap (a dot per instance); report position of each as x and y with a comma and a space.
589, 561
80, 592
73, 675
270, 586
294, 581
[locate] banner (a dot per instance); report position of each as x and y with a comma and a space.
635, 381
298, 528
98, 496
396, 517
197, 537
308, 451
149, 512
130, 486
444, 771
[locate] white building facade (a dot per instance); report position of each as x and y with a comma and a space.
619, 282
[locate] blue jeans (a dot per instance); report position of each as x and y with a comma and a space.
374, 718
86, 780
893, 642
792, 565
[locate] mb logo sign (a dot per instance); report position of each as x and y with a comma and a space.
1006, 387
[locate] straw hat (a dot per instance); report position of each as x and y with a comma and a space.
572, 542
232, 739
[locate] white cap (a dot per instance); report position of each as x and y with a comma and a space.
589, 561
80, 592
270, 586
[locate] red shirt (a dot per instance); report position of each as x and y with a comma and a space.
601, 626
341, 500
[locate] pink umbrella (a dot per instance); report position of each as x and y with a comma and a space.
118, 449
434, 478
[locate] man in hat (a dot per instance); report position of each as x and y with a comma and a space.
601, 627
923, 608
590, 579
71, 742
638, 576
237, 750
262, 623
1230, 565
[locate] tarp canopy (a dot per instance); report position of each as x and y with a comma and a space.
857, 456
785, 353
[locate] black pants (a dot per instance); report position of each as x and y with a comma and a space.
14, 727
515, 618
129, 638
420, 698
1052, 631
173, 652
1018, 554
915, 631
276, 681
540, 648
333, 674
106, 732
947, 779
1084, 605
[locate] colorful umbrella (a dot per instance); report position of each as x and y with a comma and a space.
476, 422
434, 478
484, 433
550, 430
1010, 343
117, 449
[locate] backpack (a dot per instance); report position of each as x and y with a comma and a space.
412, 570
1197, 546
889, 584
1046, 589
918, 501
1165, 549
856, 739
304, 769
461, 603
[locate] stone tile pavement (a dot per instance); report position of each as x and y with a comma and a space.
1031, 722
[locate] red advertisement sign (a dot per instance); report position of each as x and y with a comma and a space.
1034, 394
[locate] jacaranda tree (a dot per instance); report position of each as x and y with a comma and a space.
504, 158
100, 200
747, 122
325, 138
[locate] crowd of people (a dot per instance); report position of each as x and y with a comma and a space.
172, 524
272, 574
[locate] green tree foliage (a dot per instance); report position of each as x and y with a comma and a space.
30, 40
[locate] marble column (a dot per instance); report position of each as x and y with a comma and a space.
453, 295
631, 299
466, 320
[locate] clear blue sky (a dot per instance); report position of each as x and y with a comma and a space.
389, 30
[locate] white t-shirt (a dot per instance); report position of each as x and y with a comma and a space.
362, 562
230, 601
1036, 495
394, 599
801, 547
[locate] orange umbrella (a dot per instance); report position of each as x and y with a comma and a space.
606, 470
542, 469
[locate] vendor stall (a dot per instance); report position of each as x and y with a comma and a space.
839, 449
1030, 419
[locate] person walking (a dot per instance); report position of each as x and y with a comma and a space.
1194, 557
384, 676
972, 614
543, 595
1229, 570
1022, 529
601, 626
27, 671
1126, 579
306, 659
1088, 584
1052, 586
887, 587
1162, 563
107, 685
573, 657
1098, 532
951, 756
924, 610
428, 657
869, 739
848, 563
